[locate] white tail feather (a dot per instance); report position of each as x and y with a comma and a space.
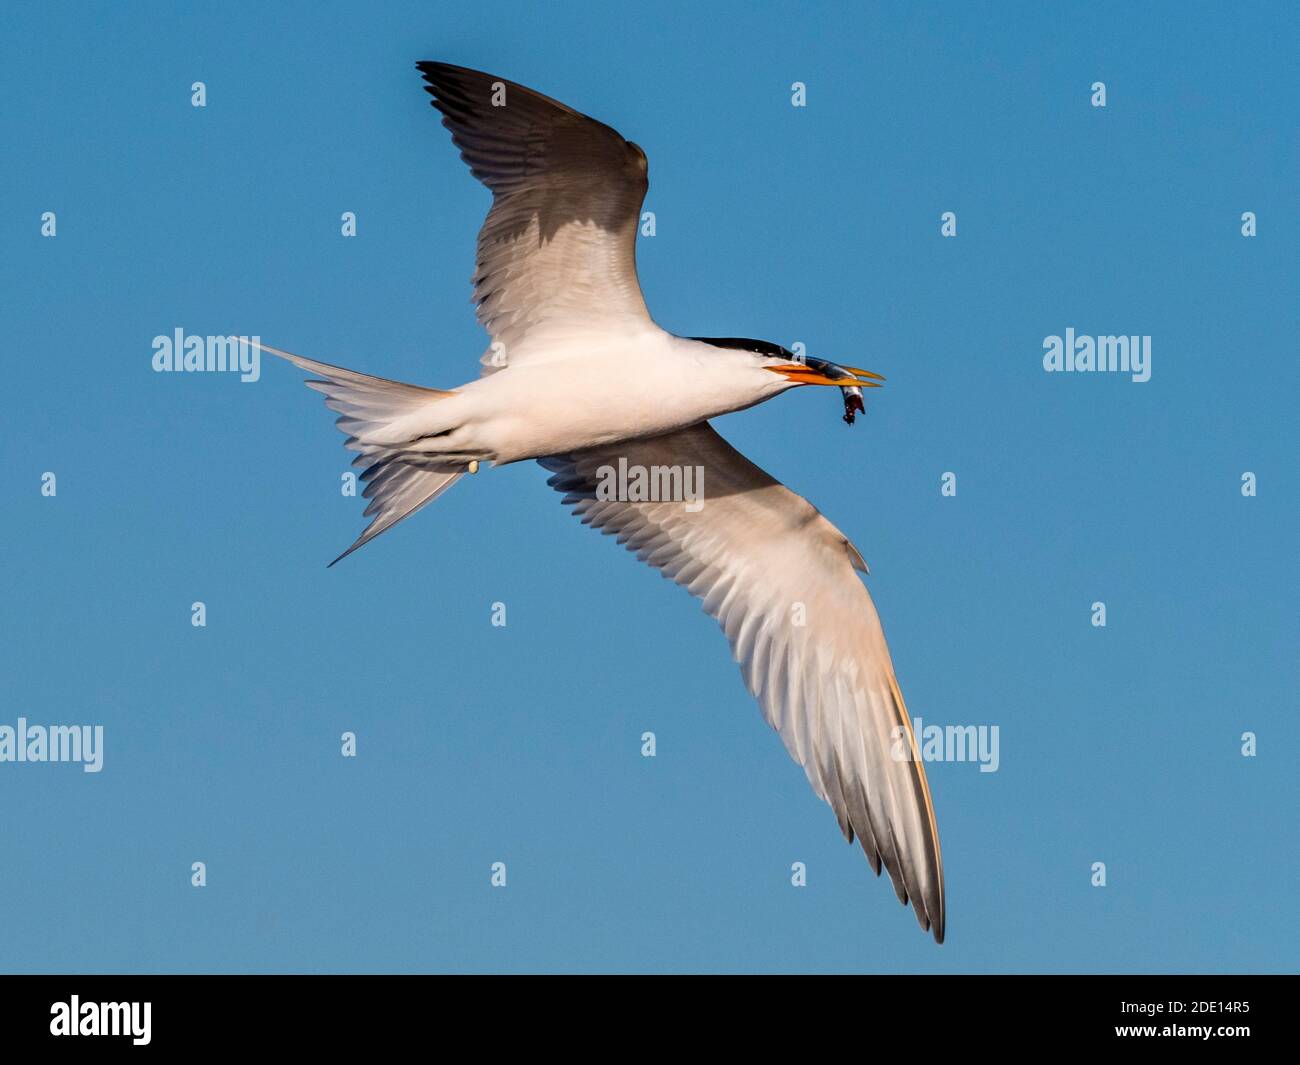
378, 416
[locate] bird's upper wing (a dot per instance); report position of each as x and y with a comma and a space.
557, 253
780, 579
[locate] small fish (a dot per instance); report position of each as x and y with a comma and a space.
853, 402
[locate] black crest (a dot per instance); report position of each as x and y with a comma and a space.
759, 347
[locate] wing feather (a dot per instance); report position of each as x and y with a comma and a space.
752, 553
557, 253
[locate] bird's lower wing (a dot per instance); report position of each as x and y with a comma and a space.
782, 582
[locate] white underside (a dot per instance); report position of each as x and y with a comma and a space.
584, 390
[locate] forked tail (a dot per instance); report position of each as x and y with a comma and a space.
372, 412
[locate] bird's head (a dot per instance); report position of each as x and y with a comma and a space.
806, 370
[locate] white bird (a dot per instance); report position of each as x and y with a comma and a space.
579, 377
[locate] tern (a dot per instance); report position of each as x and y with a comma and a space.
581, 379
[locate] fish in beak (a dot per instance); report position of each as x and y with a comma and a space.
853, 403
850, 379
821, 372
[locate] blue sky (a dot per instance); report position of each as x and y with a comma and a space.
521, 744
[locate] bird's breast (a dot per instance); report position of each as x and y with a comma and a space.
566, 402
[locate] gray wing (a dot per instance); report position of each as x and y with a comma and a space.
783, 583
557, 253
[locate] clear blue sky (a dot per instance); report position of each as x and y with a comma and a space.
480, 744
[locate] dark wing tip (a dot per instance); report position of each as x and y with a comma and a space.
931, 920
432, 68
447, 79
442, 80
463, 87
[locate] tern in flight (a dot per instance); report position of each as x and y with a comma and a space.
580, 378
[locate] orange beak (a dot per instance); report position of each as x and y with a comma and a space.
827, 373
